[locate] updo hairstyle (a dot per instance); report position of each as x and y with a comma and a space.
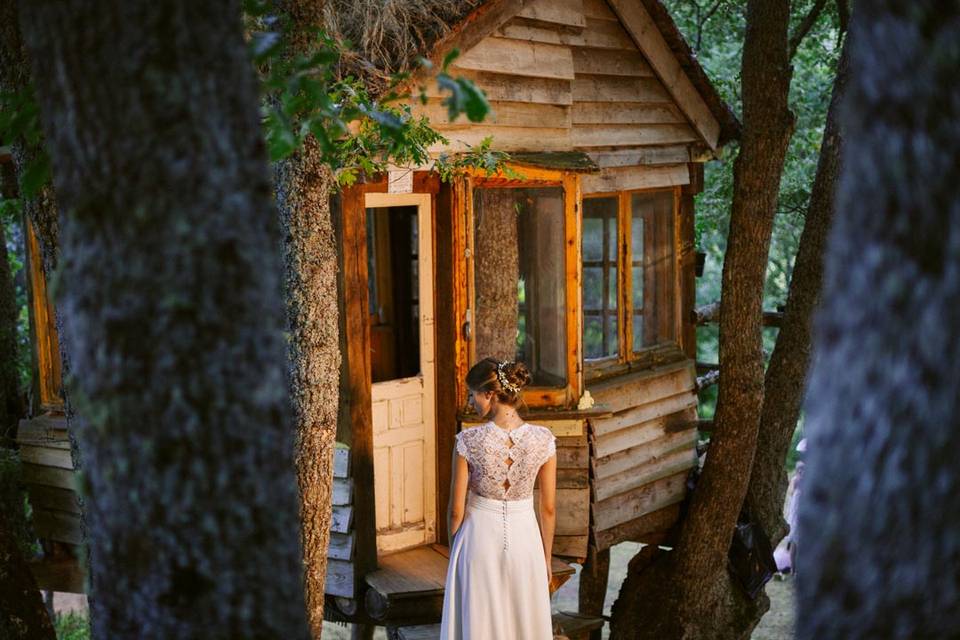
486, 376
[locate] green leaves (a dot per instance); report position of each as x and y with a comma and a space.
354, 132
20, 123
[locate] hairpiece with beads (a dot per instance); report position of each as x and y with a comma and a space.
502, 378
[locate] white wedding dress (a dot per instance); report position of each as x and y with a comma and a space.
496, 585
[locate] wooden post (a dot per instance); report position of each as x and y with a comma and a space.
358, 378
593, 583
688, 260
362, 631
447, 327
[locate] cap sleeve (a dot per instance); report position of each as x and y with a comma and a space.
550, 449
462, 446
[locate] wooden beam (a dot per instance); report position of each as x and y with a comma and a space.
631, 178
358, 384
651, 42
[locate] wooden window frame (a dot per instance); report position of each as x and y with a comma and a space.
629, 359
534, 397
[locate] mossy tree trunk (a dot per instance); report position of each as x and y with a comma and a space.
303, 186
879, 533
172, 283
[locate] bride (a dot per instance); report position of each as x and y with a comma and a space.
499, 572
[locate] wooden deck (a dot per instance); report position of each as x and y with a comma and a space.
409, 585
566, 625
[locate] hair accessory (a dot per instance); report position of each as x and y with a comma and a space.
502, 378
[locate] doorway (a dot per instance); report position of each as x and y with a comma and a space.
400, 290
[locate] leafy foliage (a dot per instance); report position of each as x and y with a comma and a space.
20, 121
719, 26
356, 133
72, 626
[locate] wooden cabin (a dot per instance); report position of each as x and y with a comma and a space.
583, 268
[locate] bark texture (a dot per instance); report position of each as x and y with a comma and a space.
787, 371
303, 185
171, 281
701, 602
23, 616
879, 538
497, 265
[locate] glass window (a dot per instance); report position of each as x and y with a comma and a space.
600, 278
653, 267
520, 280
629, 270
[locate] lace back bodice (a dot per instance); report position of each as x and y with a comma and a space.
504, 464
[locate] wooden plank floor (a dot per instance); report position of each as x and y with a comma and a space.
569, 624
423, 571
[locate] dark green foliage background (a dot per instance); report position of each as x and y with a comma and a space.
720, 36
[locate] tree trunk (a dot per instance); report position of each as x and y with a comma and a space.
700, 602
783, 388
497, 265
11, 406
171, 281
303, 185
880, 517
23, 616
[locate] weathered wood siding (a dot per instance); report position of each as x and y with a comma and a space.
49, 478
641, 455
566, 75
340, 555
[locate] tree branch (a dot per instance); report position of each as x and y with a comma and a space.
806, 25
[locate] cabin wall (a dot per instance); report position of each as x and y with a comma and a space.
565, 75
48, 475
641, 455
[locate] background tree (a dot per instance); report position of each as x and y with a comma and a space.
702, 600
880, 517
150, 115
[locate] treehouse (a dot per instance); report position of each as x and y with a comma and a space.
578, 260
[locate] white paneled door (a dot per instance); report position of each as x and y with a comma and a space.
404, 436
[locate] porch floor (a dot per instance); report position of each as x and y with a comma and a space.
422, 571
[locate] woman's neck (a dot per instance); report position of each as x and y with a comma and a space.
506, 417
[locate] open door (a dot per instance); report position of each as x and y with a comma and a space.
400, 289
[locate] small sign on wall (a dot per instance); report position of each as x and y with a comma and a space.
399, 180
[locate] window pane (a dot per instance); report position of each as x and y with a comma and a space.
612, 287
653, 269
520, 280
613, 337
593, 336
637, 288
637, 332
592, 238
592, 288
600, 281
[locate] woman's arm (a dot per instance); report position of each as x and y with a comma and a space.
547, 479
458, 495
